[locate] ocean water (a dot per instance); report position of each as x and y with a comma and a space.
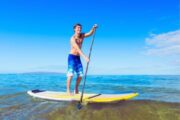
154, 90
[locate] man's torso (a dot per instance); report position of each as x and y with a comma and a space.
79, 41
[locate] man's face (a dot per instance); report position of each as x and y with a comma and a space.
78, 29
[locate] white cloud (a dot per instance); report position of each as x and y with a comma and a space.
164, 44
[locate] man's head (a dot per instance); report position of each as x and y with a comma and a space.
77, 28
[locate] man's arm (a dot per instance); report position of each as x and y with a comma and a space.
91, 31
74, 44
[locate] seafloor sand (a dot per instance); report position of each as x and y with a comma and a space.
125, 110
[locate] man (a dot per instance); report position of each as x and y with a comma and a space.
74, 62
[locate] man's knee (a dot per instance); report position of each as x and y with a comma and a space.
69, 77
79, 77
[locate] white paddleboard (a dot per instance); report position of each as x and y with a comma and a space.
91, 98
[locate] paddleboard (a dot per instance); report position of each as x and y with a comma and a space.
90, 98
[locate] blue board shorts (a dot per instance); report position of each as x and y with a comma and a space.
74, 65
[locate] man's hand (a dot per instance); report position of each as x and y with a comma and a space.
95, 26
86, 59
91, 31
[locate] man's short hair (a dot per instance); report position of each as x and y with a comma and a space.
77, 24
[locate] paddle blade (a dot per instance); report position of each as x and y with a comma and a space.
79, 105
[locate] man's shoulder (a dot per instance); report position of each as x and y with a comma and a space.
72, 38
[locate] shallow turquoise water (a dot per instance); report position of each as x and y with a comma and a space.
16, 104
161, 88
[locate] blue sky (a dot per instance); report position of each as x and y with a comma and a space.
134, 37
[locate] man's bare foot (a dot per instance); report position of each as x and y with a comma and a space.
69, 93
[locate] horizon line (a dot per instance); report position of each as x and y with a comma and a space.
49, 72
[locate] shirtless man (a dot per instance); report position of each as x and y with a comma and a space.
74, 62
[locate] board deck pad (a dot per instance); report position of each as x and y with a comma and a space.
91, 98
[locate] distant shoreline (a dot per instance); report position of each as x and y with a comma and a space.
33, 73
61, 73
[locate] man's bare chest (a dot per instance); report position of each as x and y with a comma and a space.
79, 41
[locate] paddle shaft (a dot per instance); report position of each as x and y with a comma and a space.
87, 67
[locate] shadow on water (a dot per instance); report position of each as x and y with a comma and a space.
124, 110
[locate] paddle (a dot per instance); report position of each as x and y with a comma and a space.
79, 106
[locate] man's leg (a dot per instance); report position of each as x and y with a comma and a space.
69, 78
77, 84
